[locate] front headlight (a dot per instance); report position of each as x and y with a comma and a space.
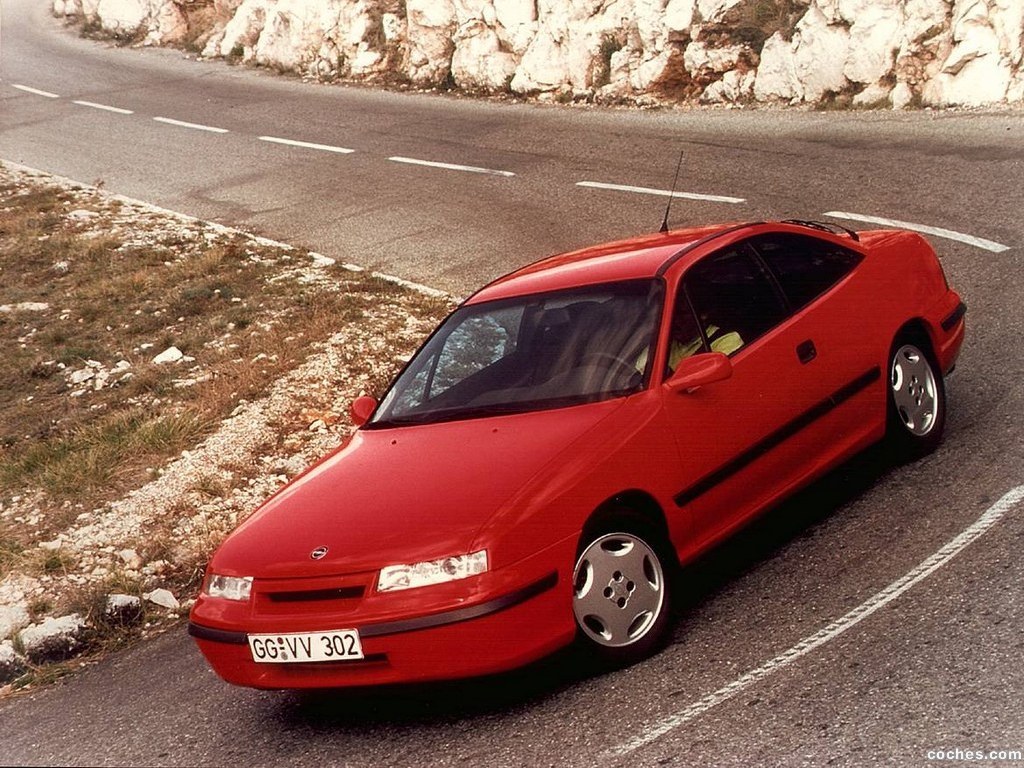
228, 587
431, 572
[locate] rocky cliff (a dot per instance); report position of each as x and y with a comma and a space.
891, 53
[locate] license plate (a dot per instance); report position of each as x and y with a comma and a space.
330, 645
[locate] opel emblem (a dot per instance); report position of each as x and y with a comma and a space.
319, 553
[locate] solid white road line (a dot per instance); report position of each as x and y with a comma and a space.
195, 126
450, 166
948, 234
307, 145
661, 192
973, 532
104, 107
35, 91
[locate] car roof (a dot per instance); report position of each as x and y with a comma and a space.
632, 259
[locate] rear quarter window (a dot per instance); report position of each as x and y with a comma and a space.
805, 267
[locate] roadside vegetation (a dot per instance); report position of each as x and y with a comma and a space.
129, 337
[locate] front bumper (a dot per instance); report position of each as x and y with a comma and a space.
491, 632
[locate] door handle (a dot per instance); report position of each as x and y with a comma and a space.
806, 351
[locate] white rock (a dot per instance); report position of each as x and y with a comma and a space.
393, 27
873, 95
164, 598
776, 76
52, 639
949, 51
122, 16
479, 61
169, 355
698, 57
124, 608
81, 376
25, 306
167, 23
11, 664
714, 10
130, 558
821, 53
679, 15
13, 618
874, 37
431, 24
516, 23
543, 66
734, 86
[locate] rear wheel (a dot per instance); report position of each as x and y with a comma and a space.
917, 400
621, 587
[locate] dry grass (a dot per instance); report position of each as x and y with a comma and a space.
106, 293
91, 290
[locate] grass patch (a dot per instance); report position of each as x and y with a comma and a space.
95, 289
92, 292
11, 553
95, 454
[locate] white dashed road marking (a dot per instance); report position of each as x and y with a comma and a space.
993, 515
948, 234
104, 107
450, 166
661, 192
306, 145
35, 91
194, 126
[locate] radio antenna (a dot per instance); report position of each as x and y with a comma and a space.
668, 206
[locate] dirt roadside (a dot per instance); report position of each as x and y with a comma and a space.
159, 377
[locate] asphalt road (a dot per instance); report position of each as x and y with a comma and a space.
798, 644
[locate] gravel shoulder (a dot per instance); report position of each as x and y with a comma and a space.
89, 568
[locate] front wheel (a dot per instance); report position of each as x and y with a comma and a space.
621, 594
917, 401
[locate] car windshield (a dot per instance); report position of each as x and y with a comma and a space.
540, 351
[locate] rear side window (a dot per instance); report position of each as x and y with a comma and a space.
805, 267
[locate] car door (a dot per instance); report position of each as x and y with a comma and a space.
738, 439
816, 276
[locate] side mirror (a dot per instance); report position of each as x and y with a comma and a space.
362, 409
699, 370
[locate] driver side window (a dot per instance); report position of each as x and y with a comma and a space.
684, 335
734, 299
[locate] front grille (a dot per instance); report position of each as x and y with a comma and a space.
323, 595
304, 596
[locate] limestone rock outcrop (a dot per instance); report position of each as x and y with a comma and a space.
893, 53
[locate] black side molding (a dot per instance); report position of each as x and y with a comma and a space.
779, 436
463, 614
954, 317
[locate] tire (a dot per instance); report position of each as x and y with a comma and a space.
916, 400
622, 591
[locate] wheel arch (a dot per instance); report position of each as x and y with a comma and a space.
638, 502
917, 329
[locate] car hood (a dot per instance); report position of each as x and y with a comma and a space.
402, 494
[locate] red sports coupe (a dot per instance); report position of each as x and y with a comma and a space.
567, 438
